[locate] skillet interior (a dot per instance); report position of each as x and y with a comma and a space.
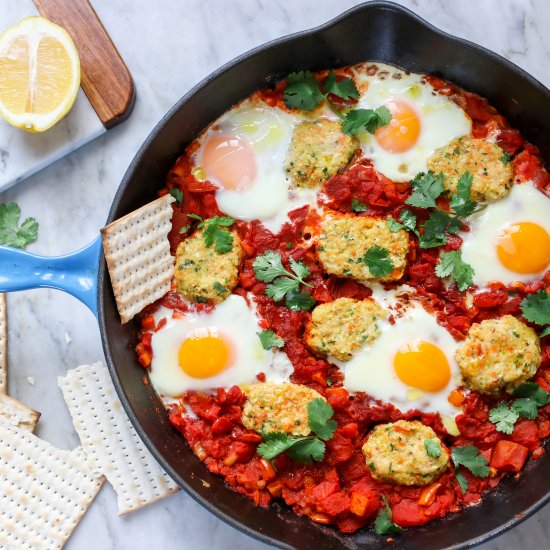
405, 40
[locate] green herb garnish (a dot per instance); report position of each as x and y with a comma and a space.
270, 340
215, 232
378, 260
177, 194
283, 284
469, 457
384, 524
433, 448
451, 264
536, 309
11, 234
369, 120
303, 448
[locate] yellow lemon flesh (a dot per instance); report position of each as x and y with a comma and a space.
39, 74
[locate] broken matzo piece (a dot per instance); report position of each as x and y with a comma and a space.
112, 446
137, 252
18, 415
44, 491
3, 345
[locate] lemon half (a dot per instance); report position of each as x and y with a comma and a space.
39, 74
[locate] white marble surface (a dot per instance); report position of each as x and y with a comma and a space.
169, 45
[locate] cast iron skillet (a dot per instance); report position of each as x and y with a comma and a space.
379, 31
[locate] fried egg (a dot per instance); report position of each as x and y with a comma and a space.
205, 350
243, 154
510, 239
410, 364
422, 121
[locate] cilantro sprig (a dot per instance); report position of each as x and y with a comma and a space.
303, 91
177, 194
383, 524
284, 284
451, 264
368, 120
270, 340
427, 187
303, 448
433, 448
11, 233
378, 260
530, 396
216, 232
536, 309
469, 457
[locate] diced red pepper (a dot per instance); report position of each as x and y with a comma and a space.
509, 456
148, 323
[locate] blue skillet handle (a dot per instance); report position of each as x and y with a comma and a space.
74, 273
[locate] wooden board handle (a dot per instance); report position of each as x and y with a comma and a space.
105, 78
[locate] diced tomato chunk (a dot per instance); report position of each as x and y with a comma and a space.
509, 456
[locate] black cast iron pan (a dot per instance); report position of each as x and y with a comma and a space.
380, 31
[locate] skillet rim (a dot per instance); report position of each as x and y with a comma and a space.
127, 178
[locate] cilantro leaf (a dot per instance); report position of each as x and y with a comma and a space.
504, 418
450, 263
358, 206
279, 288
274, 444
365, 119
426, 188
302, 91
10, 233
185, 229
307, 450
284, 283
378, 260
506, 158
345, 89
384, 524
461, 203
270, 340
434, 230
536, 308
300, 268
433, 448
462, 481
393, 225
545, 332
177, 194
269, 266
298, 301
408, 219
469, 457
320, 413
533, 391
526, 408
213, 234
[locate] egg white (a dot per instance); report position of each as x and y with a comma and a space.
371, 370
524, 203
441, 120
269, 132
236, 323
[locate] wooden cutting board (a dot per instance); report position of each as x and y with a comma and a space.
106, 97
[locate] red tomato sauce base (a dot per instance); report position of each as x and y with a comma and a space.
340, 489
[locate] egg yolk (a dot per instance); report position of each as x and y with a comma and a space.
204, 357
402, 132
229, 161
422, 365
524, 248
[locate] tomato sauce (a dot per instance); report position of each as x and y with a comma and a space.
340, 490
